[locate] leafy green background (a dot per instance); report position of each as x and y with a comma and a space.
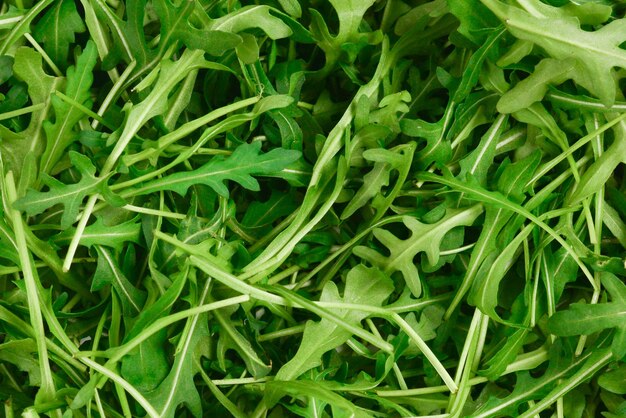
346, 208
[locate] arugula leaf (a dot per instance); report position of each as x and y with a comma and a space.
424, 237
98, 233
346, 208
70, 196
583, 319
374, 181
108, 273
230, 338
57, 29
364, 285
20, 353
245, 162
28, 66
178, 386
529, 388
596, 53
60, 134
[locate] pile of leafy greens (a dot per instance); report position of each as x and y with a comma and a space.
346, 208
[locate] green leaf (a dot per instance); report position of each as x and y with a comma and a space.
350, 14
112, 236
533, 88
390, 109
20, 353
245, 162
70, 196
28, 66
424, 238
599, 172
292, 7
130, 38
57, 29
385, 161
497, 364
230, 338
146, 366
252, 17
176, 26
341, 407
475, 64
19, 23
584, 319
528, 388
368, 286
476, 19
477, 162
260, 215
613, 381
430, 319
60, 134
179, 386
596, 53
484, 294
108, 273
438, 149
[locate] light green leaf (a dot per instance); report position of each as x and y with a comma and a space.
230, 338
350, 14
146, 366
533, 88
477, 162
613, 381
484, 294
585, 319
112, 236
60, 134
368, 286
245, 162
252, 17
179, 386
28, 66
56, 30
70, 196
385, 161
20, 353
108, 273
424, 238
596, 52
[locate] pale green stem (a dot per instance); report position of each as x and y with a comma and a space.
570, 383
579, 144
44, 54
130, 389
430, 356
80, 228
154, 212
114, 92
22, 111
159, 324
82, 108
32, 284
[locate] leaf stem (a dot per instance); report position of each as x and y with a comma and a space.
44, 54
430, 356
82, 108
124, 384
80, 228
31, 281
589, 369
113, 93
22, 111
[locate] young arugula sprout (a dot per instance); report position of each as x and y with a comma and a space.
312, 208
